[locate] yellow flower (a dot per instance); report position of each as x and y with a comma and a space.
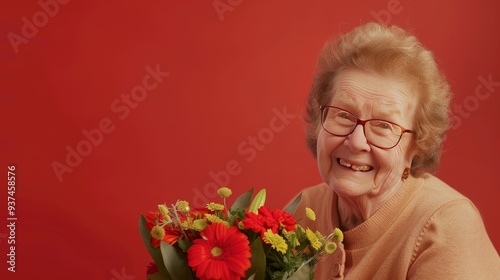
163, 210
320, 236
188, 224
330, 247
185, 225
158, 232
313, 239
224, 192
200, 224
168, 219
215, 206
276, 241
241, 225
214, 219
183, 206
338, 235
165, 213
310, 214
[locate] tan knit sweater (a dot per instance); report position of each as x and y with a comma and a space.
427, 230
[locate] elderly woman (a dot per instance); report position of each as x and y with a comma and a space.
378, 111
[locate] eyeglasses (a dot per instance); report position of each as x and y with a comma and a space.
380, 133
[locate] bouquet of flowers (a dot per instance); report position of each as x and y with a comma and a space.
244, 241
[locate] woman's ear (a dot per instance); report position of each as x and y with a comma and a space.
413, 153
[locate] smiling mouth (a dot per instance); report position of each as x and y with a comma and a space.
362, 168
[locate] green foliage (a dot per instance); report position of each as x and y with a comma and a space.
154, 252
156, 276
258, 201
184, 245
175, 262
258, 260
292, 207
242, 201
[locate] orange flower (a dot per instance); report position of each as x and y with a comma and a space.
172, 231
171, 234
222, 253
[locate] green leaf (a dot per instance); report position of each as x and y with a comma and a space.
156, 276
175, 262
184, 245
154, 252
258, 261
258, 201
242, 201
294, 204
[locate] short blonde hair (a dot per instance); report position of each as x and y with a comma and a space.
393, 52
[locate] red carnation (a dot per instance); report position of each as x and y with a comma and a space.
265, 219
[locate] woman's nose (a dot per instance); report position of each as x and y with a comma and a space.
356, 141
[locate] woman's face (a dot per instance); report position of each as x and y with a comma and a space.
372, 171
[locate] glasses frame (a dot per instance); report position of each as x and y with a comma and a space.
361, 122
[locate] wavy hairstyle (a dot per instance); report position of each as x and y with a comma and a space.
392, 52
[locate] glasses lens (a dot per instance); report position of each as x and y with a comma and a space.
338, 122
380, 133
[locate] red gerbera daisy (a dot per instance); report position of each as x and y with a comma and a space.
222, 253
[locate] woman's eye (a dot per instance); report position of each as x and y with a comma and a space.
344, 116
383, 125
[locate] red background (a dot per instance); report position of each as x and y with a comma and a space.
227, 73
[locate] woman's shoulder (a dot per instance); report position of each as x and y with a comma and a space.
444, 212
436, 191
323, 201
316, 189
438, 203
317, 195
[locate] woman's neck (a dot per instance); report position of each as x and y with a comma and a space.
353, 211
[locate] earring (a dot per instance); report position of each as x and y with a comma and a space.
406, 173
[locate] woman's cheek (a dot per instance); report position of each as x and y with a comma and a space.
391, 162
326, 145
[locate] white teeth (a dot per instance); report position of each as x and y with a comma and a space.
355, 167
344, 163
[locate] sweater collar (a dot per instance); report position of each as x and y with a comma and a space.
369, 231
